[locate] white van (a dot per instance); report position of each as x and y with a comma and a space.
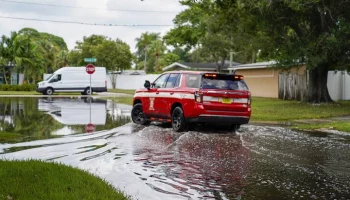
74, 79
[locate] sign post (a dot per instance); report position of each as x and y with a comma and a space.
90, 68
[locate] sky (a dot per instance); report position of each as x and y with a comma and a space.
100, 15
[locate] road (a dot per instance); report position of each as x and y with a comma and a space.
260, 162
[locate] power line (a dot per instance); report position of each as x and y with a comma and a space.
90, 8
83, 23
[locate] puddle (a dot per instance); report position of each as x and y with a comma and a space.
156, 163
44, 118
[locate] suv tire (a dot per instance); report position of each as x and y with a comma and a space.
137, 115
178, 121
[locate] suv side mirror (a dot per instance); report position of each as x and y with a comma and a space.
147, 84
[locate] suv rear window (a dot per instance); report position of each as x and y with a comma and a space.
193, 80
224, 84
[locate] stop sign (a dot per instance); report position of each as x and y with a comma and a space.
89, 128
90, 68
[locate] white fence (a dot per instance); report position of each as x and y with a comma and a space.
133, 82
339, 85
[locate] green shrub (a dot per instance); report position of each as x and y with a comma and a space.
24, 87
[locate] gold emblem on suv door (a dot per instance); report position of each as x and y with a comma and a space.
151, 103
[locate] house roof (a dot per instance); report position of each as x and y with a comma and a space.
253, 65
130, 72
200, 66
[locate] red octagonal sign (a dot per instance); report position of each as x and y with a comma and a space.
89, 128
90, 68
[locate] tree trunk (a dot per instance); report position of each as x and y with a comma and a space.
156, 66
220, 66
4, 72
318, 91
113, 80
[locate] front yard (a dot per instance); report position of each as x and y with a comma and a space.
276, 110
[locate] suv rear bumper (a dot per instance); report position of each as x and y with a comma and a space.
219, 119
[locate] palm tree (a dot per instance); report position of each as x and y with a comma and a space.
12, 51
157, 48
143, 42
62, 59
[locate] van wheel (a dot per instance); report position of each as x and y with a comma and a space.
178, 120
137, 115
87, 91
49, 91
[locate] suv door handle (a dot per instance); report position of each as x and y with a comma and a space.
157, 92
171, 93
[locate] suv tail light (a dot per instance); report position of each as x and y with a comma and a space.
249, 99
198, 96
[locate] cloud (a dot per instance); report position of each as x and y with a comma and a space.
74, 32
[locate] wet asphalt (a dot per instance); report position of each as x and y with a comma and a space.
154, 162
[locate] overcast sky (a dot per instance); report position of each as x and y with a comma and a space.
73, 32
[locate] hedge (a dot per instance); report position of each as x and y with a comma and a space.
24, 87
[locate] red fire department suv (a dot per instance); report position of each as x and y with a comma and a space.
185, 98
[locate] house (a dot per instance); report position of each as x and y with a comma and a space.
263, 80
12, 77
199, 66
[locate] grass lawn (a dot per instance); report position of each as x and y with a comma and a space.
122, 100
132, 92
340, 126
266, 109
40, 180
10, 137
6, 137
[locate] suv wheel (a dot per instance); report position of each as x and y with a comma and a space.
178, 120
137, 115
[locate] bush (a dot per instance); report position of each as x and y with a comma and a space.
24, 87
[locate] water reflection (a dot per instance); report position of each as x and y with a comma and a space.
213, 165
42, 118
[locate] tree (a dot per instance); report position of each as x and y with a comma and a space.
112, 54
13, 51
142, 45
311, 32
170, 58
183, 54
74, 57
62, 59
204, 26
53, 50
157, 49
189, 26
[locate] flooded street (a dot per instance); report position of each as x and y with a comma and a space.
259, 162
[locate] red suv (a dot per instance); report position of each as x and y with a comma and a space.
185, 98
